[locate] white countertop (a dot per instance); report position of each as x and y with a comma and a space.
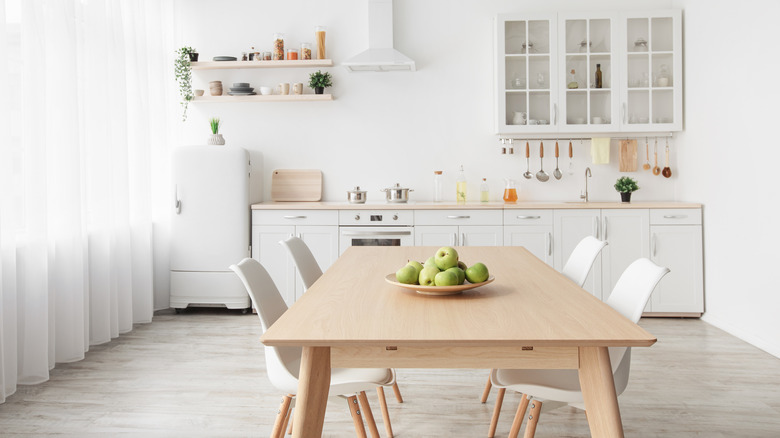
415, 205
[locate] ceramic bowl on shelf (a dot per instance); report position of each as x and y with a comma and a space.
265, 91
240, 84
199, 92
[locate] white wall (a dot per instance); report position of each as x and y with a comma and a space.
730, 159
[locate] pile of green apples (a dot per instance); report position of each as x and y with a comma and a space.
442, 269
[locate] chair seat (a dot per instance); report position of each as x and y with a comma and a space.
560, 385
343, 381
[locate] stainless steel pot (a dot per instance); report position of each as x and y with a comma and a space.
356, 196
397, 194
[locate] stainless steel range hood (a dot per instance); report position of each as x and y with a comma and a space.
380, 56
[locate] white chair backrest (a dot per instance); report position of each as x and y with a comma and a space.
282, 363
581, 259
304, 260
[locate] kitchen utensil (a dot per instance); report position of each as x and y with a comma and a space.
667, 172
528, 174
646, 166
571, 162
557, 172
541, 175
296, 185
356, 196
627, 156
397, 194
656, 169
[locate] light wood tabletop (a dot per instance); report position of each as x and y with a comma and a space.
531, 316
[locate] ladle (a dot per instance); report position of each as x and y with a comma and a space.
528, 174
571, 164
557, 172
541, 175
667, 172
656, 169
646, 166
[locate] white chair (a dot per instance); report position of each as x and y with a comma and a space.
310, 271
283, 363
577, 268
629, 297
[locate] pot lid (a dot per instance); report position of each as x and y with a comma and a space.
397, 186
356, 190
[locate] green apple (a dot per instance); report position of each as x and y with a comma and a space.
417, 266
428, 276
477, 273
459, 272
431, 262
462, 265
446, 257
446, 278
407, 275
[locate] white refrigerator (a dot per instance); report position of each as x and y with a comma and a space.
209, 226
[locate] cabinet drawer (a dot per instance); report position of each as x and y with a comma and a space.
295, 217
528, 217
675, 216
458, 217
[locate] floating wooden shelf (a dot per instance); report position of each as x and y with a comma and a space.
305, 63
267, 98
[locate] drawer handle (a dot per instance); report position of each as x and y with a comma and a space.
529, 217
295, 217
458, 217
675, 216
376, 233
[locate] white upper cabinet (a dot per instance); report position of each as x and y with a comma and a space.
547, 81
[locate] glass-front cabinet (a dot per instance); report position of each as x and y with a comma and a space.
589, 72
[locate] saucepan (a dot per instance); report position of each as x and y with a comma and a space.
356, 196
397, 194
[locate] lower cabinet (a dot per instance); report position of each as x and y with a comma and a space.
458, 228
627, 235
569, 227
532, 229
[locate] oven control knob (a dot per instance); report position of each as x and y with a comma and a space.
395, 217
357, 217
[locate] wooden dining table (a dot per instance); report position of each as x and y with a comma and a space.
529, 317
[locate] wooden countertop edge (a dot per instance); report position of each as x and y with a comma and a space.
333, 205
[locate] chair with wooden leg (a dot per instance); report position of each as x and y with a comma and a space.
577, 268
309, 271
283, 363
629, 297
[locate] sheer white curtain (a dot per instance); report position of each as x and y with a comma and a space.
89, 94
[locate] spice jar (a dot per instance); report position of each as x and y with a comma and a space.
292, 54
305, 50
278, 50
266, 56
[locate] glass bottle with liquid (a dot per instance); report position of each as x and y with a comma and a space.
599, 83
437, 186
484, 191
510, 192
460, 186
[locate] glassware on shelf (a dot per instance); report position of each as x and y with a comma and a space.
540, 80
484, 191
645, 81
278, 50
319, 35
663, 79
305, 50
585, 46
599, 82
517, 82
572, 82
437, 186
292, 54
528, 47
640, 45
460, 186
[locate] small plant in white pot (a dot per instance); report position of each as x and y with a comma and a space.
215, 138
625, 186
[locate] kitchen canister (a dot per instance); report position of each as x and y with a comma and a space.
215, 87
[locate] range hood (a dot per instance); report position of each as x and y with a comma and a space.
380, 56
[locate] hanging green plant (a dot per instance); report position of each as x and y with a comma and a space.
184, 76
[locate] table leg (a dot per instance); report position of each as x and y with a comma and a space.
312, 397
598, 390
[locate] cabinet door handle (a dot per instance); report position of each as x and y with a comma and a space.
454, 240
596, 227
529, 217
294, 217
675, 216
555, 114
654, 244
458, 217
549, 244
462, 239
624, 113
605, 229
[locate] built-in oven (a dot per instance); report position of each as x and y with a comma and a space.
375, 228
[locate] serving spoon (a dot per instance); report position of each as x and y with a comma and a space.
528, 174
557, 173
646, 166
667, 172
656, 169
541, 175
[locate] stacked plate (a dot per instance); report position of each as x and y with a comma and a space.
241, 89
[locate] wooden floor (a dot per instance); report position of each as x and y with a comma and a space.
202, 373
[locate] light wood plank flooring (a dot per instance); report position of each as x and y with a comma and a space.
202, 373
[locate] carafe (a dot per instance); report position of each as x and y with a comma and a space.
510, 191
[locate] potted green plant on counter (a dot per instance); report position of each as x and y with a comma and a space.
215, 138
626, 186
183, 70
319, 81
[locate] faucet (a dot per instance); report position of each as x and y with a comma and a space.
587, 175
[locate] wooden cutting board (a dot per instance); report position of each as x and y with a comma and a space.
296, 185
628, 155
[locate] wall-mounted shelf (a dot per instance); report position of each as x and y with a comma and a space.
266, 98
301, 63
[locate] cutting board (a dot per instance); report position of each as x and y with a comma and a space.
296, 185
628, 155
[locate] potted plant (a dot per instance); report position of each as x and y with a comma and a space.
319, 81
183, 70
626, 186
215, 138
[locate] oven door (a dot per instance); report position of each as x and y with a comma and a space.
375, 236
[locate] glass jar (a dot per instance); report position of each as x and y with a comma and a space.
292, 54
437, 186
319, 34
305, 50
266, 56
663, 79
278, 49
